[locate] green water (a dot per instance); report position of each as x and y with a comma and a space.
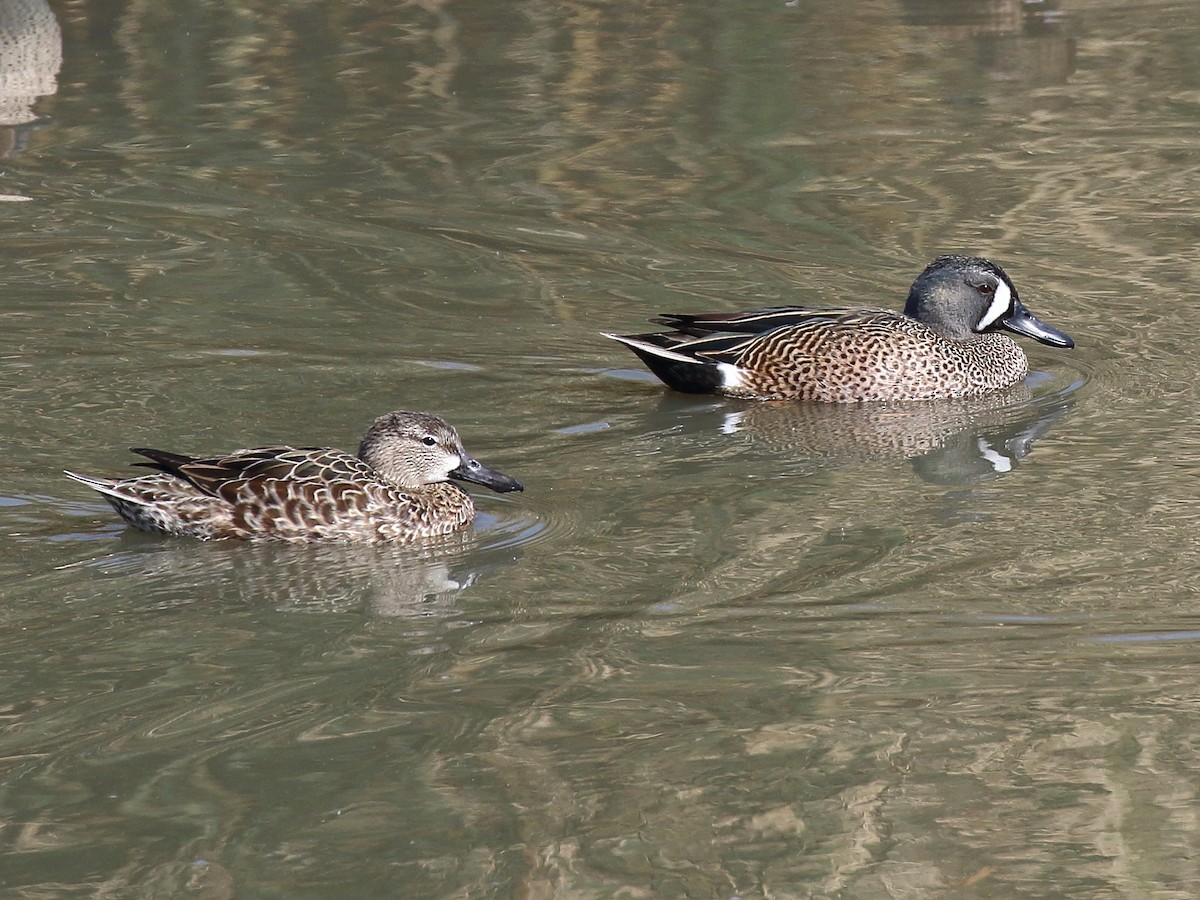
715, 649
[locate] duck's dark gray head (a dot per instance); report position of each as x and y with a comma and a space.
411, 449
958, 296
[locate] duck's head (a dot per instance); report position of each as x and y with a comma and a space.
411, 449
959, 296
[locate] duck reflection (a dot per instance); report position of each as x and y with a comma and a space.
384, 580
958, 442
1020, 40
30, 57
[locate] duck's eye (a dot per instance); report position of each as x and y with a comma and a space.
429, 440
986, 289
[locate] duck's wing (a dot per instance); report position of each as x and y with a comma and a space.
790, 330
293, 493
254, 469
758, 321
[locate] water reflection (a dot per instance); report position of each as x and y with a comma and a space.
386, 580
30, 57
948, 441
1023, 40
707, 680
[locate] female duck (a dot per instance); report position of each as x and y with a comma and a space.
946, 344
396, 489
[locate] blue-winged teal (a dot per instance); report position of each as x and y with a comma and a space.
396, 489
946, 344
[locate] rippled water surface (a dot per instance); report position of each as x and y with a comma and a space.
716, 649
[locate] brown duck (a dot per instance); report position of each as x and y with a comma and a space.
396, 489
946, 343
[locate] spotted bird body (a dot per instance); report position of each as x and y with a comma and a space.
395, 490
843, 356
946, 344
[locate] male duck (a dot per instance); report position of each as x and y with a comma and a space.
946, 344
396, 489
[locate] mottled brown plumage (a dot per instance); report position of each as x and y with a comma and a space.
396, 489
945, 344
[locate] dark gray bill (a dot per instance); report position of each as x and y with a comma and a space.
1021, 321
473, 470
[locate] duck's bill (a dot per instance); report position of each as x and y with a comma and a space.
1022, 321
476, 472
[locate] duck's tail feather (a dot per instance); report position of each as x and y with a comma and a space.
106, 486
677, 370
